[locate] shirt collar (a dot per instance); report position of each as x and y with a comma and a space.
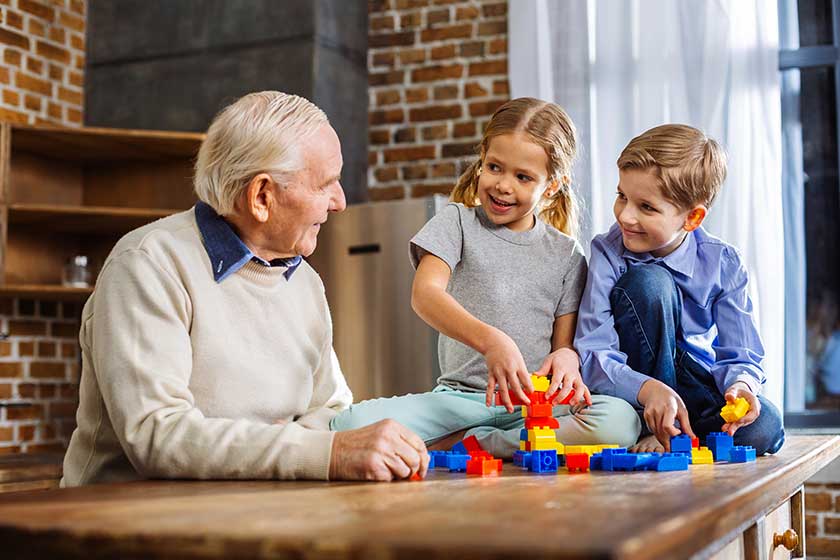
226, 250
681, 260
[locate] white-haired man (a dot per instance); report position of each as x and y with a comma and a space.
207, 344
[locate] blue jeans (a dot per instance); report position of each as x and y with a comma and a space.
647, 307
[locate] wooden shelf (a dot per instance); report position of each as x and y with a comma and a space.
84, 219
45, 291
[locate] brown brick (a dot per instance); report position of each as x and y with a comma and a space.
386, 116
375, 6
30, 412
818, 501
69, 391
386, 193
56, 72
32, 84
23, 328
79, 61
37, 28
32, 102
26, 348
386, 174
386, 78
52, 52
412, 56
462, 31
63, 409
382, 23
45, 448
78, 6
402, 39
47, 390
418, 191
501, 87
436, 132
47, 431
498, 46
41, 370
829, 548
54, 111
481, 108
812, 525
494, 10
488, 68
64, 330
14, 19
13, 39
442, 52
411, 20
10, 450
77, 42
387, 97
409, 154
474, 89
373, 158
70, 96
5, 347
416, 95
466, 12
384, 59
415, 172
6, 434
58, 35
443, 93
410, 4
76, 79
73, 22
5, 391
434, 17
471, 49
379, 136
69, 349
46, 349
831, 525
405, 135
4, 75
34, 65
436, 73
37, 9
13, 116
27, 390
492, 28
26, 433
443, 170
12, 57
434, 113
74, 116
458, 150
459, 130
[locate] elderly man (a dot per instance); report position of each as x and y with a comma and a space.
207, 344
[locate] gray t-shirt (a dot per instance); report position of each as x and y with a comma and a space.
518, 282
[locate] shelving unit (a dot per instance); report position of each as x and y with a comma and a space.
69, 192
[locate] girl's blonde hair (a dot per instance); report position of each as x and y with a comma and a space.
258, 133
548, 126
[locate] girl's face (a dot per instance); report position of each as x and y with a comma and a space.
512, 180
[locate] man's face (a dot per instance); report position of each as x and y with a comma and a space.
305, 201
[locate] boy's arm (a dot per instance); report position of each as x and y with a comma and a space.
738, 350
603, 366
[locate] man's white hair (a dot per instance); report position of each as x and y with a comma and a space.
259, 133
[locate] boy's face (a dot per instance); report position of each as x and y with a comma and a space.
650, 223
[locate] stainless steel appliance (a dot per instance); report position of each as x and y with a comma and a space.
362, 255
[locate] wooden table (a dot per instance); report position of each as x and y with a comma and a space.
729, 509
29, 472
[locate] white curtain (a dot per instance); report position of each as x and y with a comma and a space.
622, 66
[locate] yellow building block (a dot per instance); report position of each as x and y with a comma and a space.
702, 456
735, 411
588, 449
540, 383
561, 449
542, 439
522, 445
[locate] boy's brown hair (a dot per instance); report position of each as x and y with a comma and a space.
691, 167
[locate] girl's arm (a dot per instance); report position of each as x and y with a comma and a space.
439, 309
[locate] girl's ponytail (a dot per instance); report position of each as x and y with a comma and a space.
561, 211
466, 190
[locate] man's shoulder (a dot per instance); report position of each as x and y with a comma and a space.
166, 236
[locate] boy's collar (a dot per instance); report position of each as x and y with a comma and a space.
681, 260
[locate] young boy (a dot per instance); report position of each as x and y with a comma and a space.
666, 318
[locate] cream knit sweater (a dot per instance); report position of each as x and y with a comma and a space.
186, 378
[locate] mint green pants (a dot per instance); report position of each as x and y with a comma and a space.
435, 415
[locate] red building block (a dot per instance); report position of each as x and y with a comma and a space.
577, 462
484, 467
547, 422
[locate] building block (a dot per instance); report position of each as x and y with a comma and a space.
681, 444
577, 462
547, 422
695, 442
735, 411
455, 462
719, 443
483, 466
416, 476
595, 462
672, 462
436, 459
522, 459
606, 446
589, 450
702, 456
543, 461
607, 459
741, 454
540, 383
537, 411
634, 461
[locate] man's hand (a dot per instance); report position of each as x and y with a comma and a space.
506, 367
741, 389
383, 451
662, 407
564, 366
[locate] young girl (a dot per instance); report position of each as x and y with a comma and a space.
500, 276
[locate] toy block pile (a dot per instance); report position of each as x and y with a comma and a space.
539, 450
466, 456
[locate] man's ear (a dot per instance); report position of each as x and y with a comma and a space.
695, 217
259, 196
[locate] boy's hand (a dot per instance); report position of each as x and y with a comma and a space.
564, 366
741, 389
662, 407
506, 367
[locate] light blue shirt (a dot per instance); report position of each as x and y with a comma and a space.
716, 327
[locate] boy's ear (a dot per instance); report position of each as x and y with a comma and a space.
695, 217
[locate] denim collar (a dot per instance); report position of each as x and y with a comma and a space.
226, 250
681, 260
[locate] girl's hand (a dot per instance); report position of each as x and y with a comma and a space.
663, 406
564, 366
741, 389
506, 367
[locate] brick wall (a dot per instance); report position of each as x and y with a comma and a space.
43, 60
437, 71
822, 519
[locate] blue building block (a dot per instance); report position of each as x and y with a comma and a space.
523, 435
436, 459
741, 454
459, 448
672, 462
608, 457
522, 459
543, 461
632, 461
719, 443
455, 462
596, 462
681, 444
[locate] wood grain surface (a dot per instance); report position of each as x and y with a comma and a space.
516, 515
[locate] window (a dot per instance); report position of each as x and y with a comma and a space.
809, 62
